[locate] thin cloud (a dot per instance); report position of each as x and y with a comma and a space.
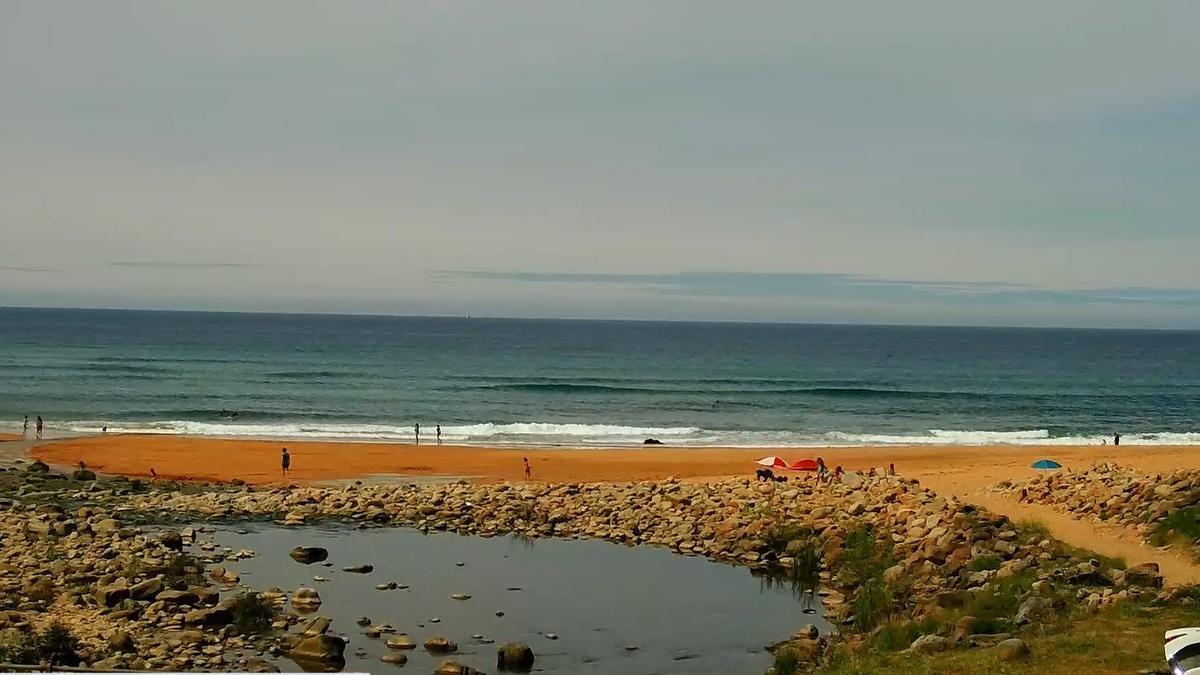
844, 287
30, 270
186, 265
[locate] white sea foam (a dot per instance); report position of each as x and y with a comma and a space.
598, 435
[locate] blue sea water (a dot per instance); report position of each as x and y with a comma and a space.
592, 383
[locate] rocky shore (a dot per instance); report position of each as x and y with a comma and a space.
81, 552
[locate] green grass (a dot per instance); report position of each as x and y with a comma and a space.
895, 636
1000, 599
56, 645
780, 534
787, 662
1032, 528
1118, 641
183, 568
872, 605
865, 555
980, 563
1179, 528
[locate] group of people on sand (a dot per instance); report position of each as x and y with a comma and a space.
822, 474
417, 433
39, 428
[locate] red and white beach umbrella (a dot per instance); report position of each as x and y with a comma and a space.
772, 461
804, 465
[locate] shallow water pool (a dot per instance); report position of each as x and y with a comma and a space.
614, 609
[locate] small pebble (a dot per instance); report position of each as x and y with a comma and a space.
551, 636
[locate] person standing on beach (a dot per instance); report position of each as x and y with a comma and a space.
25, 427
286, 462
528, 471
417, 433
1116, 439
822, 470
438, 431
39, 426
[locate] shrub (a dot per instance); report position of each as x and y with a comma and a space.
183, 568
872, 605
55, 645
780, 534
895, 636
1180, 526
1033, 528
787, 662
1000, 599
253, 614
984, 562
866, 555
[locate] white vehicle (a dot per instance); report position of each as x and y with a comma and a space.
1182, 648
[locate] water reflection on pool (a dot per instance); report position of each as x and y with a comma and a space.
681, 614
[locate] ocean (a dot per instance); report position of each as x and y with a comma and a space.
592, 383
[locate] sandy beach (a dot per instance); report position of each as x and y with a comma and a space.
957, 469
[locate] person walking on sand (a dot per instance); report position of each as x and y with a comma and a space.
40, 425
438, 431
417, 433
285, 460
528, 470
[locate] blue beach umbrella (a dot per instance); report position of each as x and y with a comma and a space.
1046, 464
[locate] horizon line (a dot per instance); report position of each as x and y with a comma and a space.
465, 317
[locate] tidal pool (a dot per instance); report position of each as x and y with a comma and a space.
613, 609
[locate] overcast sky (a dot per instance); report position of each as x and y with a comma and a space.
1014, 163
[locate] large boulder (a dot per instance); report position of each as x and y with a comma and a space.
455, 668
221, 615
930, 644
306, 599
146, 590
1012, 649
514, 656
111, 595
106, 526
440, 645
309, 554
324, 649
83, 475
1146, 574
171, 539
173, 597
37, 466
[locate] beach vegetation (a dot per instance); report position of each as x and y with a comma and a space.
1033, 529
787, 662
1180, 527
56, 645
872, 604
183, 569
984, 562
999, 600
865, 555
253, 614
894, 636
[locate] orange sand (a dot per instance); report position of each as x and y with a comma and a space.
949, 468
962, 471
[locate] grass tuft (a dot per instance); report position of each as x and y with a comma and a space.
253, 614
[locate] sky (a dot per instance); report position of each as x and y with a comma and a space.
927, 162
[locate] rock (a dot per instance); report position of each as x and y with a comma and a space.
319, 648
808, 632
514, 656
1013, 649
37, 466
318, 626
439, 645
221, 615
364, 621
1033, 609
460, 596
146, 590
1146, 574
171, 539
257, 665
455, 668
173, 597
930, 644
359, 569
651, 441
111, 595
402, 642
120, 641
82, 475
394, 659
106, 527
306, 599
309, 554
